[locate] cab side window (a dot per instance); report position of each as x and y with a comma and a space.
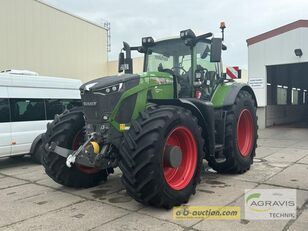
4, 111
203, 57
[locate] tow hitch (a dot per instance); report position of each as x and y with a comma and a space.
87, 154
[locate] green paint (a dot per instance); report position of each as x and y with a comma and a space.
159, 83
252, 196
220, 94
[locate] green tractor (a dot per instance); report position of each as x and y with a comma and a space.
157, 126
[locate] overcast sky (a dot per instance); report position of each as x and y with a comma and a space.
131, 19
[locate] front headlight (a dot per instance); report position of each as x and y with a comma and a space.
109, 90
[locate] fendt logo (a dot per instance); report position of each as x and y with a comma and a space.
270, 204
89, 104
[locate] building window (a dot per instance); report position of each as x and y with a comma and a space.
4, 111
282, 95
294, 96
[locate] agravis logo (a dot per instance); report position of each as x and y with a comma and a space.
254, 204
270, 204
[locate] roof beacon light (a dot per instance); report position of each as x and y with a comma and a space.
222, 27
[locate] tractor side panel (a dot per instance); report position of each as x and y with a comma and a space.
226, 93
134, 100
128, 106
221, 92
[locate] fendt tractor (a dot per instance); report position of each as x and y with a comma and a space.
157, 126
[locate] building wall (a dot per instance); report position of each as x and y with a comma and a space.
274, 51
38, 37
137, 65
281, 114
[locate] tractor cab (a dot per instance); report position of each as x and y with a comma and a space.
193, 61
190, 65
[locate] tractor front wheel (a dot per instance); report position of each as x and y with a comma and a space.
67, 131
161, 156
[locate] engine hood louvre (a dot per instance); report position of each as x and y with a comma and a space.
100, 83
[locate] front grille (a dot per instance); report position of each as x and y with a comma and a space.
126, 109
100, 96
96, 105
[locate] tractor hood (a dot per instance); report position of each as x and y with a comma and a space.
100, 96
130, 80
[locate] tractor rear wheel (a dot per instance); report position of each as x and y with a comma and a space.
161, 156
240, 136
67, 131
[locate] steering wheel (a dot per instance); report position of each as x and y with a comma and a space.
172, 70
179, 68
167, 70
162, 69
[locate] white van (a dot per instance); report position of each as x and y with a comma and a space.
27, 104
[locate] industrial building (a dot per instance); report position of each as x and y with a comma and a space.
38, 37
41, 38
278, 73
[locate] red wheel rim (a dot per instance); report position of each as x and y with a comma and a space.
77, 141
179, 177
245, 132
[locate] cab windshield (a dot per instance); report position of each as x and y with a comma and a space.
174, 57
170, 54
173, 54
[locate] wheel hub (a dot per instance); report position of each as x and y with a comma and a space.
180, 158
173, 156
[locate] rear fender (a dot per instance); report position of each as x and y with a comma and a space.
226, 94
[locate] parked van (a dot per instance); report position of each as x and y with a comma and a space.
27, 103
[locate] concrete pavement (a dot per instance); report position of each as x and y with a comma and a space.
30, 200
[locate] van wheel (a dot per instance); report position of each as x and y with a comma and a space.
38, 153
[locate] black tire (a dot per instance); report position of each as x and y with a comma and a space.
37, 155
141, 156
232, 160
63, 131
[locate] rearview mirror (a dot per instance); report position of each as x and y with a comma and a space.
216, 47
125, 62
121, 63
